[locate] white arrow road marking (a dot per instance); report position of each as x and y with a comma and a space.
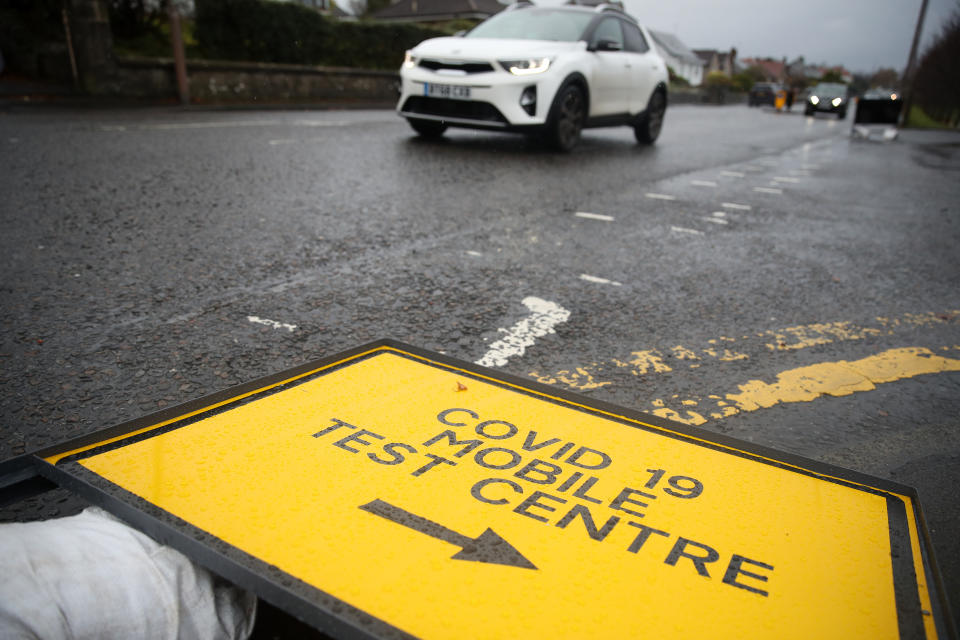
545, 315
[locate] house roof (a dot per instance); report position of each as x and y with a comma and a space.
774, 69
334, 10
672, 45
432, 10
707, 55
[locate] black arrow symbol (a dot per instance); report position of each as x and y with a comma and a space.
487, 547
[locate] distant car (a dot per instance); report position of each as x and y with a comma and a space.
830, 97
763, 93
879, 106
880, 93
531, 69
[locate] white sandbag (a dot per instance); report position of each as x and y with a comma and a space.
92, 576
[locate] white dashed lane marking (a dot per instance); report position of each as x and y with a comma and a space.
594, 216
718, 218
597, 280
686, 230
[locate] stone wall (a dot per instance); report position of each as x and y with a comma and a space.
704, 95
217, 82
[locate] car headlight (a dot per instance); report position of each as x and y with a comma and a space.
836, 102
409, 61
526, 67
814, 100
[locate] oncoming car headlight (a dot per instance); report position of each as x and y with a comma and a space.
836, 102
526, 67
814, 100
409, 61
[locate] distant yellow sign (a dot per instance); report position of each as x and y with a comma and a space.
443, 501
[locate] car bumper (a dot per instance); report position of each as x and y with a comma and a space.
827, 107
494, 101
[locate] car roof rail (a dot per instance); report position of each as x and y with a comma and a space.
607, 5
612, 6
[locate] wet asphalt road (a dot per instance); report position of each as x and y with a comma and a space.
150, 257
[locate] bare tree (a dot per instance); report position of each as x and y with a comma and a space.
937, 83
367, 7
889, 78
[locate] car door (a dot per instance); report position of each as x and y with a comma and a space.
646, 67
611, 71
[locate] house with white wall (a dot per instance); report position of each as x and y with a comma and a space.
684, 62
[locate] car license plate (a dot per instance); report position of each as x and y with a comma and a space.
455, 91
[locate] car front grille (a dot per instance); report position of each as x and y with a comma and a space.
466, 67
463, 109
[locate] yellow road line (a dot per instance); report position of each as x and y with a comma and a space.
804, 384
662, 360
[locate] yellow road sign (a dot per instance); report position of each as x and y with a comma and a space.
394, 492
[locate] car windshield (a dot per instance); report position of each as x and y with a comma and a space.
535, 24
829, 88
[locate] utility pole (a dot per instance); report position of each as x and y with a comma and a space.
909, 73
179, 57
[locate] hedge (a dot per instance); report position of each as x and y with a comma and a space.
263, 31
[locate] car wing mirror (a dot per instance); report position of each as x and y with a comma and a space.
606, 45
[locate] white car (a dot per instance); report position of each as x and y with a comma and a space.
532, 69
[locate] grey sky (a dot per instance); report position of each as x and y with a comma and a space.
862, 35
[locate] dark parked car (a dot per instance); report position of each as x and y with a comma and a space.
830, 97
763, 93
879, 106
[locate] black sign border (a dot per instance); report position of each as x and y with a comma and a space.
340, 619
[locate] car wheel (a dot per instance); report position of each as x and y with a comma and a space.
428, 128
648, 128
841, 114
566, 118
808, 111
